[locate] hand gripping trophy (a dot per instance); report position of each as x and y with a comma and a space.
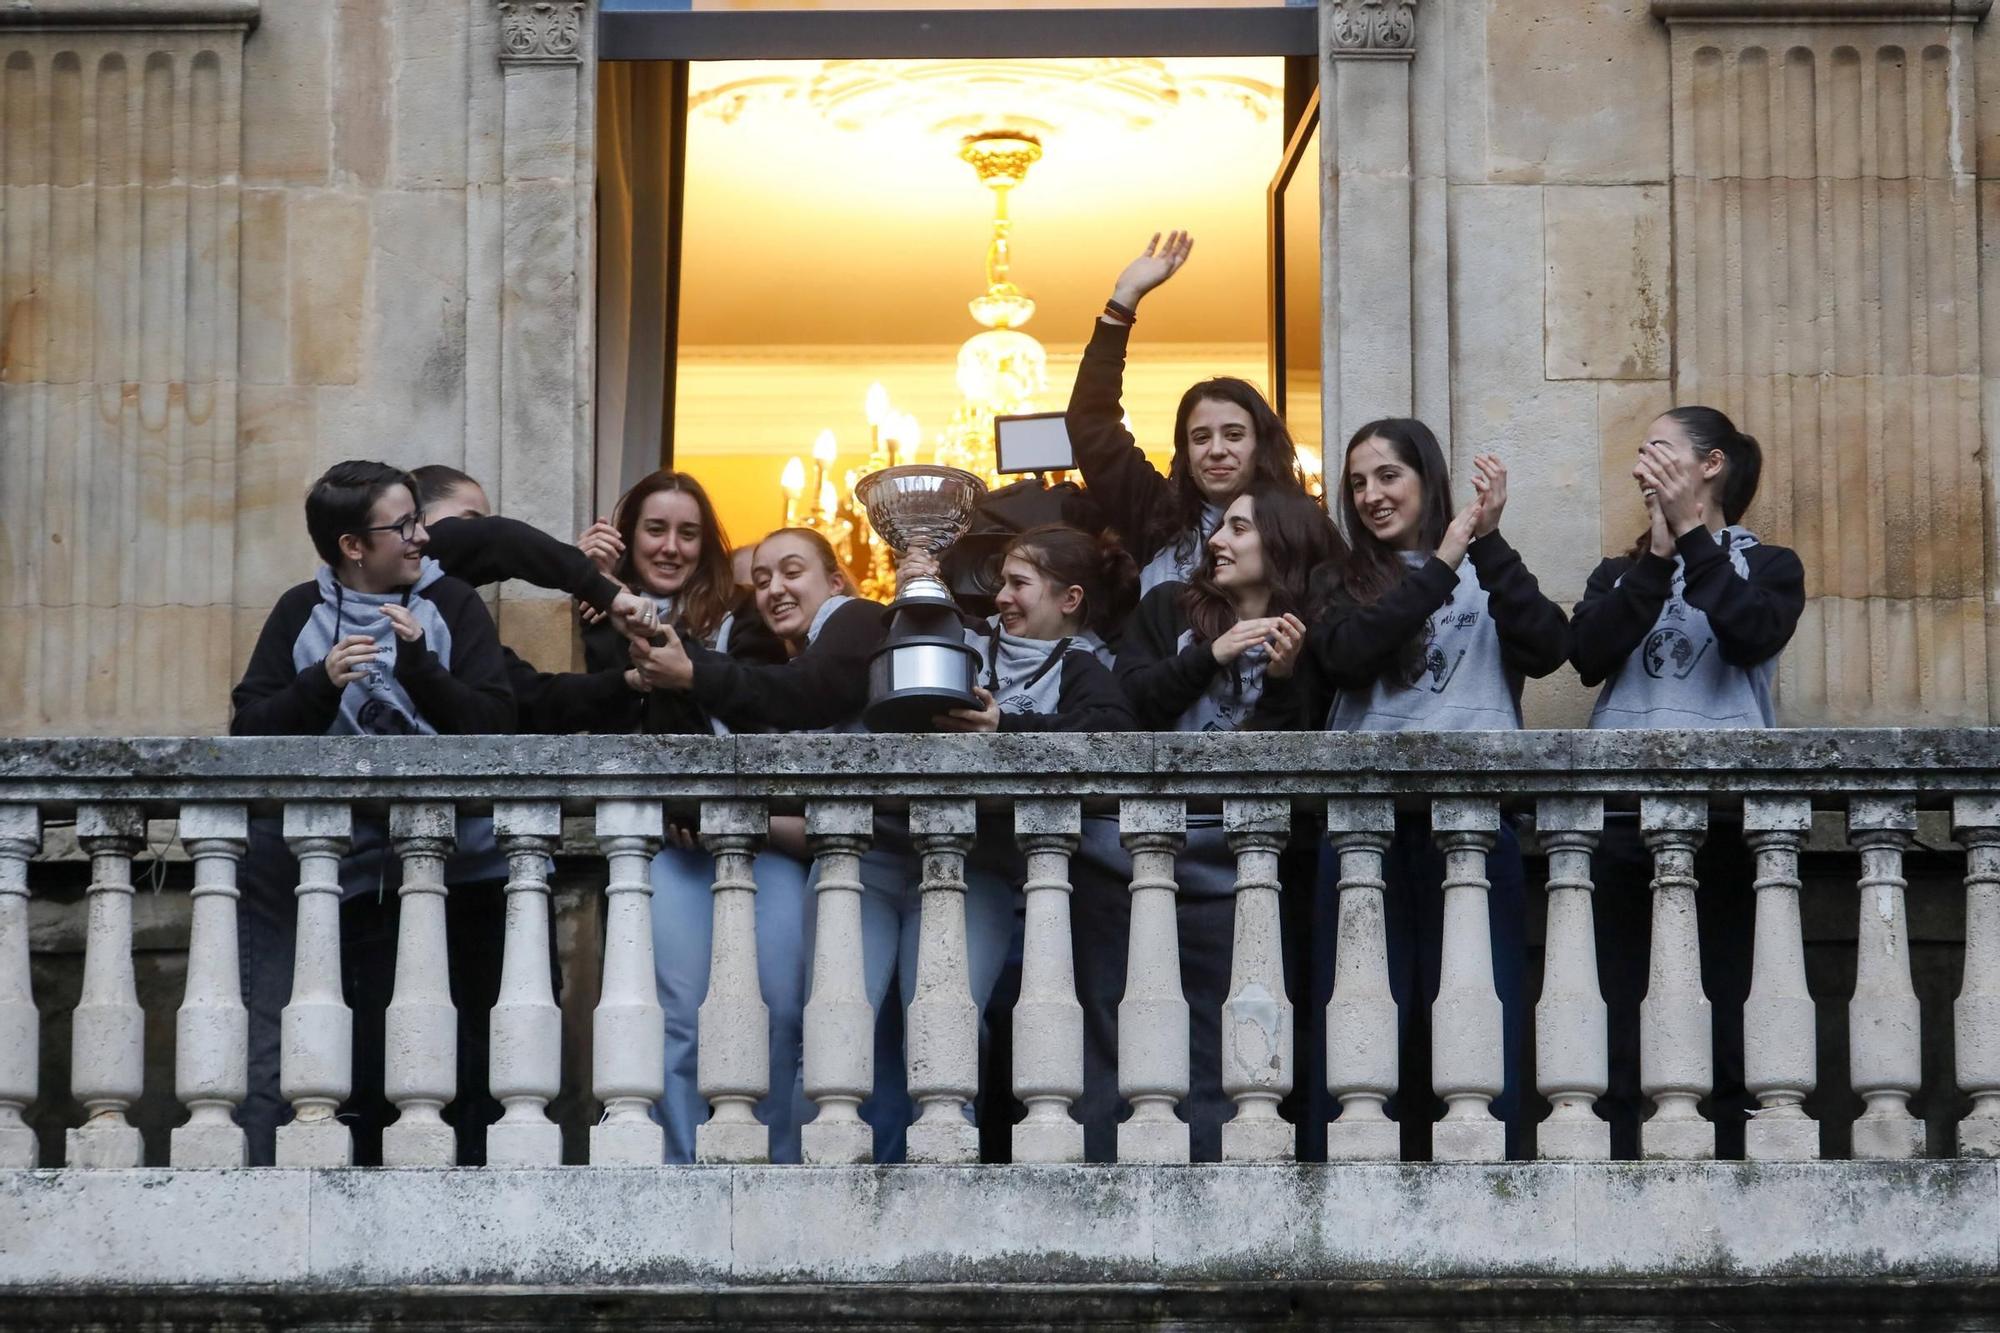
924, 667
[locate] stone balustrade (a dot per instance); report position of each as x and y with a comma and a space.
1263, 786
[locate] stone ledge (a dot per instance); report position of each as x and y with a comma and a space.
1931, 763
580, 1228
130, 13
1822, 11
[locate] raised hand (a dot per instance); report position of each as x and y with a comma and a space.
406, 626
1660, 541
1231, 643
1676, 486
663, 665
1287, 636
1160, 261
633, 616
1461, 532
601, 542
1489, 482
348, 660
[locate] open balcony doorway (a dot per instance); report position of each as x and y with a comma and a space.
815, 231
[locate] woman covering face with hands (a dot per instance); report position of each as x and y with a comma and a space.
1684, 630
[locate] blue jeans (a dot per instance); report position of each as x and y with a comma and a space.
891, 915
683, 931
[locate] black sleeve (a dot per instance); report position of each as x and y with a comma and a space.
824, 686
1128, 488
1090, 700
1352, 644
1160, 680
1753, 618
1612, 620
559, 703
1534, 632
472, 697
273, 699
604, 647
1281, 707
479, 551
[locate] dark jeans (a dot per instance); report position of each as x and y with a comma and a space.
1413, 922
1725, 924
475, 928
1101, 921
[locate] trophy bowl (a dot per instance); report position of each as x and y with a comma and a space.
924, 666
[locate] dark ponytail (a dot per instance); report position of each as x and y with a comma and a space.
1710, 431
1073, 558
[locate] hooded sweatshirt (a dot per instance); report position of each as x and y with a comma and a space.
1173, 682
1117, 473
1047, 684
1692, 639
451, 680
1478, 631
824, 688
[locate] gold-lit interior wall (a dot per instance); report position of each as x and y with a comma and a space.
833, 237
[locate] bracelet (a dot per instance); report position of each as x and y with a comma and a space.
1123, 314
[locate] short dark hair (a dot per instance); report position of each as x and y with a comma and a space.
341, 500
434, 481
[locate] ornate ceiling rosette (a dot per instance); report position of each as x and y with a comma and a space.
958, 97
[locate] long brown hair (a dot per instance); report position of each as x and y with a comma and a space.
1298, 538
1273, 460
705, 598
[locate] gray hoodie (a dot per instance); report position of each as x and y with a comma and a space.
1677, 677
1462, 682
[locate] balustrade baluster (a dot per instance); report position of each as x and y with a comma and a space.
1467, 1034
1675, 1061
1257, 1017
1361, 1059
107, 1034
1976, 1013
1780, 1052
1571, 1030
943, 1021
1883, 1026
1048, 1020
526, 1028
1153, 1032
420, 1030
839, 1020
628, 1049
316, 1030
734, 1058
212, 1029
20, 1023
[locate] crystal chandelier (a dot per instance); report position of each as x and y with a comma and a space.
1000, 371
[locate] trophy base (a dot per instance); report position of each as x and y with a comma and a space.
914, 710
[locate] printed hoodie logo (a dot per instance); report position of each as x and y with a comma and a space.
1668, 652
1017, 703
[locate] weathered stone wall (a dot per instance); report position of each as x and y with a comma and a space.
364, 229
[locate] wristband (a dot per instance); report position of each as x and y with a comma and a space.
1124, 314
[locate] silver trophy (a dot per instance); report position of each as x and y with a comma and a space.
924, 667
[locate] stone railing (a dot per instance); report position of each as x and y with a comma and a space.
729, 789
1265, 788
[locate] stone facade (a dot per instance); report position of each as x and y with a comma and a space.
242, 240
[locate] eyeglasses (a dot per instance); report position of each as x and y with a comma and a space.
405, 528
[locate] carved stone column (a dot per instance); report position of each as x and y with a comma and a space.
1826, 295
1368, 329
119, 143
547, 290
